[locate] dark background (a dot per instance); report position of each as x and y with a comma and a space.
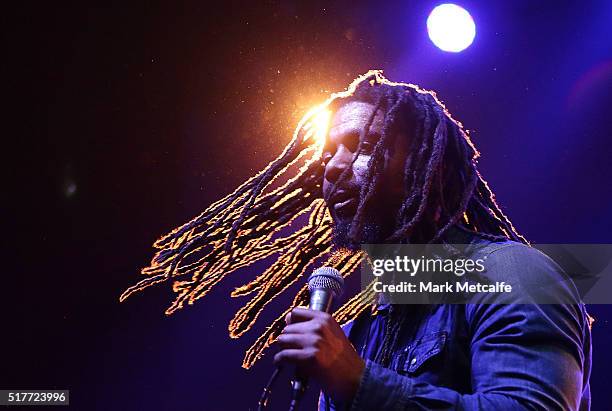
121, 121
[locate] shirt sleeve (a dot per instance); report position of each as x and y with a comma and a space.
523, 356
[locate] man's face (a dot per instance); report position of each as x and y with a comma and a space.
342, 197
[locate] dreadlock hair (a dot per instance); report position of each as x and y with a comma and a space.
245, 227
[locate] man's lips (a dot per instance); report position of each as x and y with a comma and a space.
345, 205
343, 202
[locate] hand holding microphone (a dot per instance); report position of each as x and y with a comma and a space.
316, 344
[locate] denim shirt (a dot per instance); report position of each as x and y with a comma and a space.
479, 356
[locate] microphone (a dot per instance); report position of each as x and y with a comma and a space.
325, 285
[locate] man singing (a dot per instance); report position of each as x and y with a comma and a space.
395, 168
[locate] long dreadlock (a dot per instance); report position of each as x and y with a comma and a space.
245, 227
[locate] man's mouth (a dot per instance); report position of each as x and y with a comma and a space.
344, 203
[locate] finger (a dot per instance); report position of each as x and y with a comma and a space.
289, 341
295, 340
300, 328
291, 355
304, 314
292, 318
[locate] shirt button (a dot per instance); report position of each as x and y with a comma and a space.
413, 361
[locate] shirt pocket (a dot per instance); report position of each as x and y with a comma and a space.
416, 357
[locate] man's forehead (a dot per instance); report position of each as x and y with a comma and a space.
353, 116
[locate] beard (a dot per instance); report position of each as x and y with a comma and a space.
371, 233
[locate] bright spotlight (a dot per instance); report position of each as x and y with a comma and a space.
316, 128
322, 124
451, 27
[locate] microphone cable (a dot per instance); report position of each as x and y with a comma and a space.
264, 400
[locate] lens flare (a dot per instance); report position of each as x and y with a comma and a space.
321, 125
316, 128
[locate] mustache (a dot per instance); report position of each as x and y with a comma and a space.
340, 193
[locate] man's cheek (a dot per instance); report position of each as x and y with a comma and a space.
360, 169
326, 188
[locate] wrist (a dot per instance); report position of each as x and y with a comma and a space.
352, 380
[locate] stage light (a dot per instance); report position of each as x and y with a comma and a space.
321, 124
317, 125
451, 28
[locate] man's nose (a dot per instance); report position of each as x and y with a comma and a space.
339, 162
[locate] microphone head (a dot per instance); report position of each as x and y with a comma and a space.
327, 278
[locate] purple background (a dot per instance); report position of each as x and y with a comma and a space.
121, 122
